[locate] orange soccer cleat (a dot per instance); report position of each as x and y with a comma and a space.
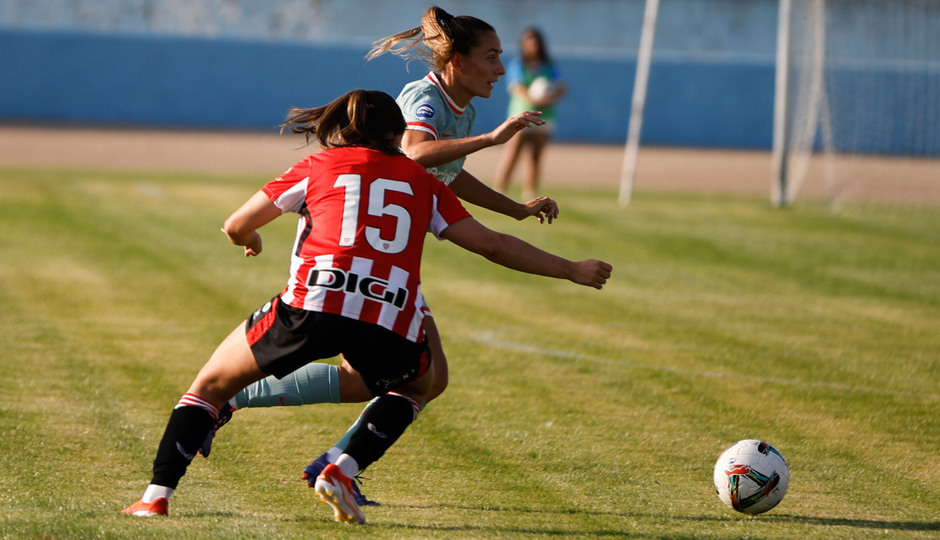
157, 507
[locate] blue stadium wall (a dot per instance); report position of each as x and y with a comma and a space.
86, 78
711, 83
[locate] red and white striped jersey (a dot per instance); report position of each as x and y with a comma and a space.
363, 219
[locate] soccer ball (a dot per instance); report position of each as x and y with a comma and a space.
751, 476
540, 88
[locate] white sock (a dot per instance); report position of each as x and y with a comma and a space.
333, 454
156, 492
348, 465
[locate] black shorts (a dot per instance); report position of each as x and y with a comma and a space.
284, 338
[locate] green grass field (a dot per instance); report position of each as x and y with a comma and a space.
571, 412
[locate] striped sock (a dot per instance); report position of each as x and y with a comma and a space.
192, 400
189, 423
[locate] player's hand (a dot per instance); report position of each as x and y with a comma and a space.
591, 272
515, 124
253, 247
543, 208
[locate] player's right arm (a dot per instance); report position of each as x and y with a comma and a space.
242, 226
429, 152
286, 193
422, 147
517, 254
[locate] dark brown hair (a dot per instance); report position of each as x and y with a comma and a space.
543, 55
436, 41
369, 118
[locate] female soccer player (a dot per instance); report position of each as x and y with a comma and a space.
354, 288
533, 68
463, 53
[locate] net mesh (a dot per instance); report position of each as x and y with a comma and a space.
863, 91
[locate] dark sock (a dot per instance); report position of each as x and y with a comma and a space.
187, 428
383, 422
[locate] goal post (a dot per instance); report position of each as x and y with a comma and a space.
641, 82
856, 90
857, 85
778, 189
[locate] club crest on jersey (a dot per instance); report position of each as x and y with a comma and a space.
371, 287
425, 111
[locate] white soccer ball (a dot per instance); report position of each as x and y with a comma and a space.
540, 88
751, 476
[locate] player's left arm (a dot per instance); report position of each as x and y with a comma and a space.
242, 226
511, 252
469, 188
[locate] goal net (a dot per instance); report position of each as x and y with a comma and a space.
857, 105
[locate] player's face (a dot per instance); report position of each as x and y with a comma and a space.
479, 70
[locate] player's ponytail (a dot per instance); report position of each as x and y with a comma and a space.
368, 118
440, 36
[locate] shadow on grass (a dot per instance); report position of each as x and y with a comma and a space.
921, 526
859, 523
546, 529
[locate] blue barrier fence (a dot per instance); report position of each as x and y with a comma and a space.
184, 82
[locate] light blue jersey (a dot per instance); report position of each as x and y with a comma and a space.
427, 107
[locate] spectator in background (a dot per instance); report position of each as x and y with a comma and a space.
534, 84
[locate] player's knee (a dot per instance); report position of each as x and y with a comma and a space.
438, 360
441, 377
352, 389
440, 384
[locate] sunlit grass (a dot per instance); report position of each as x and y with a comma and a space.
571, 412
